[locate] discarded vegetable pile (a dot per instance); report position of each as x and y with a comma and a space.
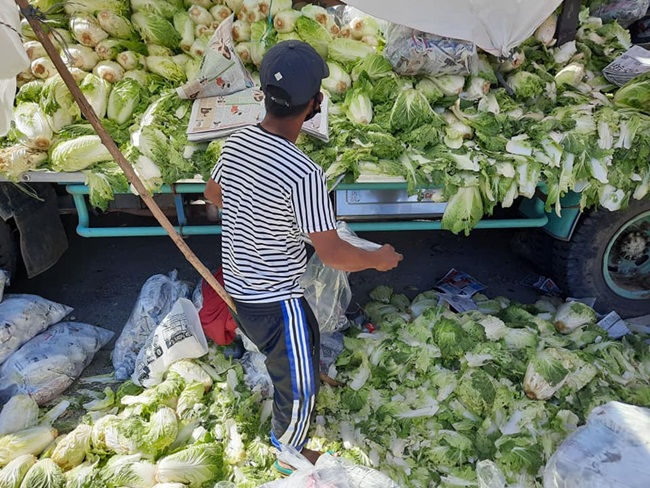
427, 397
565, 127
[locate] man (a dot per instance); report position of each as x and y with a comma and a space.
271, 193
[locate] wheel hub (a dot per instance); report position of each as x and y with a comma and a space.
626, 263
634, 246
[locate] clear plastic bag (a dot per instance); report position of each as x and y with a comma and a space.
412, 52
47, 365
23, 317
327, 290
157, 296
624, 11
610, 450
308, 475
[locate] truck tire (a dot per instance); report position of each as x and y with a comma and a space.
8, 249
608, 258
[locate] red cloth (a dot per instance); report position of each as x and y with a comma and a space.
216, 319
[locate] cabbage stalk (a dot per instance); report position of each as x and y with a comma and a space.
80, 56
219, 14
241, 31
338, 81
116, 25
185, 27
87, 31
285, 21
130, 60
109, 70
34, 50
43, 67
79, 153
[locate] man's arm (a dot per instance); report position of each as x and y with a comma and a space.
337, 253
213, 193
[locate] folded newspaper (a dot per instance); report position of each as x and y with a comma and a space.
215, 117
225, 99
631, 63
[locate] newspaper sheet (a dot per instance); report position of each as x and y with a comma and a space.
633, 62
215, 117
222, 71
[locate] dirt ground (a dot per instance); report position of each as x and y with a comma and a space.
101, 278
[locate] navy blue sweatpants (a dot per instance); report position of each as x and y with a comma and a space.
287, 333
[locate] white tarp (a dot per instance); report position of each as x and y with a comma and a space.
496, 26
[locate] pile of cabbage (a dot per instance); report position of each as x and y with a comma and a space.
563, 128
433, 395
201, 425
431, 398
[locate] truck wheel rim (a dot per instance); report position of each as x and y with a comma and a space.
626, 263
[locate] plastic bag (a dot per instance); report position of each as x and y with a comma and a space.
178, 336
413, 52
4, 281
610, 450
158, 295
357, 476
327, 290
328, 472
256, 375
24, 316
307, 474
46, 366
624, 11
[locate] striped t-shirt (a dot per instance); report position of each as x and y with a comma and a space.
272, 193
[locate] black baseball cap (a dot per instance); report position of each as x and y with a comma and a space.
295, 67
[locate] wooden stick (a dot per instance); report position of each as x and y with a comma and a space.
91, 116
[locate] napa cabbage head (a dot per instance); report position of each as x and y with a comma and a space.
349, 50
79, 153
477, 390
45, 473
635, 94
573, 315
375, 66
13, 473
195, 465
125, 96
96, 90
72, 449
545, 374
20, 412
411, 110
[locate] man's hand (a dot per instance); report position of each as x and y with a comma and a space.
387, 258
339, 254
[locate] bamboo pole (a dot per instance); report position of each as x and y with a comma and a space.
91, 116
